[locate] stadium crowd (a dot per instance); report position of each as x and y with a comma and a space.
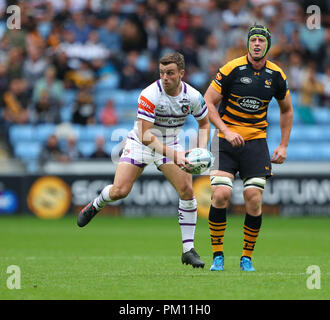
75, 45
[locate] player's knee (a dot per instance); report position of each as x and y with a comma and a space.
120, 192
221, 191
221, 197
186, 191
253, 201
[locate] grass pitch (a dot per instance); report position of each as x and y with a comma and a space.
140, 258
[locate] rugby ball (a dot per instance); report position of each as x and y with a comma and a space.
200, 159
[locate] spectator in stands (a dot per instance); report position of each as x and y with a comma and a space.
131, 77
71, 150
152, 28
295, 71
61, 64
211, 15
236, 15
189, 51
325, 81
14, 39
34, 67
109, 34
198, 30
52, 151
211, 53
4, 81
15, 62
311, 90
84, 108
78, 27
83, 76
46, 109
133, 36
108, 115
99, 153
171, 33
16, 102
49, 83
314, 41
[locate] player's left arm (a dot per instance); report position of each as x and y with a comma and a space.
203, 132
286, 117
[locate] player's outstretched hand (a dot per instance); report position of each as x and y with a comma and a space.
279, 155
235, 139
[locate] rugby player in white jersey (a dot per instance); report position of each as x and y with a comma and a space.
162, 109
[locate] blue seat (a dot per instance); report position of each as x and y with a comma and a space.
21, 133
27, 150
310, 133
43, 131
321, 115
69, 97
86, 148
302, 151
90, 132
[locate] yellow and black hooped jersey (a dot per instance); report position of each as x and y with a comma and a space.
246, 94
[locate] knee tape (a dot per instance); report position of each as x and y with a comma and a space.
258, 183
221, 181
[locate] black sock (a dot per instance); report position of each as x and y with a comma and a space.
217, 226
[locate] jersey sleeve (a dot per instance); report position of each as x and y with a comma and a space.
282, 87
199, 110
146, 108
221, 81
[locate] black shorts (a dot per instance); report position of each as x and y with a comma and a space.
252, 160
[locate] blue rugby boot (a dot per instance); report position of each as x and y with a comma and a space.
246, 264
218, 263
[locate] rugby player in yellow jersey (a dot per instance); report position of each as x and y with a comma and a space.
244, 88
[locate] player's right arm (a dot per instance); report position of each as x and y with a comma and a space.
212, 98
151, 141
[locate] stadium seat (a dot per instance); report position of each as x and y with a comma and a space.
90, 132
321, 115
20, 133
43, 131
302, 151
86, 148
27, 150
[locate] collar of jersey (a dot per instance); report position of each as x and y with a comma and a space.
163, 90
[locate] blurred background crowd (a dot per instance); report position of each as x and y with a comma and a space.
84, 61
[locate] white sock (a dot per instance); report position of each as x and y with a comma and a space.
103, 198
187, 220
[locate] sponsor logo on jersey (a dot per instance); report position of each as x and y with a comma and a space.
251, 104
246, 80
268, 83
218, 77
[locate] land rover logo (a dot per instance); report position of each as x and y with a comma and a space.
251, 104
246, 80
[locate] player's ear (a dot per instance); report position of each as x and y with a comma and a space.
181, 72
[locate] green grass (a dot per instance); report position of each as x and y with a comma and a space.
121, 259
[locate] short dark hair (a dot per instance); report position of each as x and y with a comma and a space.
174, 57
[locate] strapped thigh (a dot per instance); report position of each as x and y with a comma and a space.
257, 182
221, 181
